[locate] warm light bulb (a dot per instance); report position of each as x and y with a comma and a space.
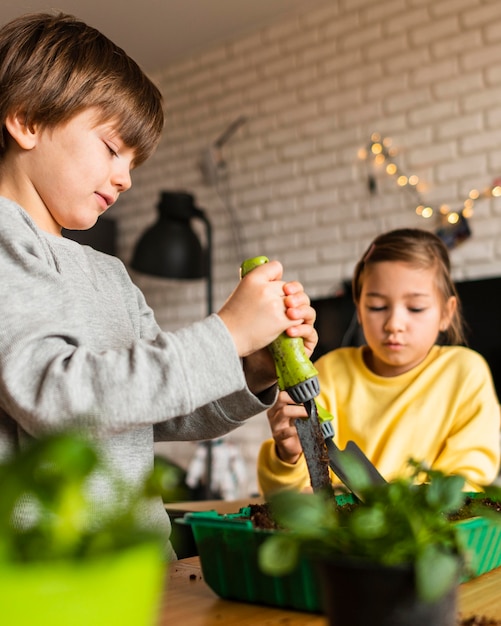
496, 191
383, 152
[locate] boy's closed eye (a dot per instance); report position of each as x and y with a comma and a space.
112, 149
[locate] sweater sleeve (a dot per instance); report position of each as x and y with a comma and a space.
275, 475
216, 418
472, 447
80, 349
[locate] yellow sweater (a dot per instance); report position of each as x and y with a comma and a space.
444, 412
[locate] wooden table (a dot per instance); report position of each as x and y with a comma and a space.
220, 506
190, 602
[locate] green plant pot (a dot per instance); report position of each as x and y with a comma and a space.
120, 589
357, 593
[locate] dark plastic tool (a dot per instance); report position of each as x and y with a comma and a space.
337, 456
297, 375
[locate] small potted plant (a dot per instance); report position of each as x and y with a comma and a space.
394, 558
60, 564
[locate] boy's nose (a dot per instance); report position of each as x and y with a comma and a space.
122, 179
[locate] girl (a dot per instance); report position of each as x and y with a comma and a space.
402, 395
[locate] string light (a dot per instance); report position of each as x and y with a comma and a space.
382, 152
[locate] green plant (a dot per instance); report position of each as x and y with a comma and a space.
398, 523
46, 512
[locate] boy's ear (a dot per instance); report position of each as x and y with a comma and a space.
23, 134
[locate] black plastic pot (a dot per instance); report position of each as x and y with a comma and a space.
356, 593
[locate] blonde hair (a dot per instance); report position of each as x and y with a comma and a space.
422, 249
54, 66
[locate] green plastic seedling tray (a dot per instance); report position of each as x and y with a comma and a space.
228, 547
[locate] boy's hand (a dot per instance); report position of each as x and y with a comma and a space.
299, 308
282, 417
258, 311
262, 306
259, 367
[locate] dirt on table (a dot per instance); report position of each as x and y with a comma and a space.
471, 507
261, 516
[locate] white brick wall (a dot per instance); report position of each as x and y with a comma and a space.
314, 87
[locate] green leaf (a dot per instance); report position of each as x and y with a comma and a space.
358, 475
45, 507
304, 513
445, 493
278, 555
436, 572
368, 523
64, 457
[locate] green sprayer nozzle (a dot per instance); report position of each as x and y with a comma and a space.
295, 372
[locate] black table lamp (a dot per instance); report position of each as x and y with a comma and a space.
170, 248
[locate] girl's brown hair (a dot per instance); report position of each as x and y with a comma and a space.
54, 66
419, 248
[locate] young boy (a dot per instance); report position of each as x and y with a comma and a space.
79, 347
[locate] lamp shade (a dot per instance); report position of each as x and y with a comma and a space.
170, 247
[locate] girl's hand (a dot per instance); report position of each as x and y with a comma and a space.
282, 417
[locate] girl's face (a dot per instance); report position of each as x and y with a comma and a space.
401, 312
